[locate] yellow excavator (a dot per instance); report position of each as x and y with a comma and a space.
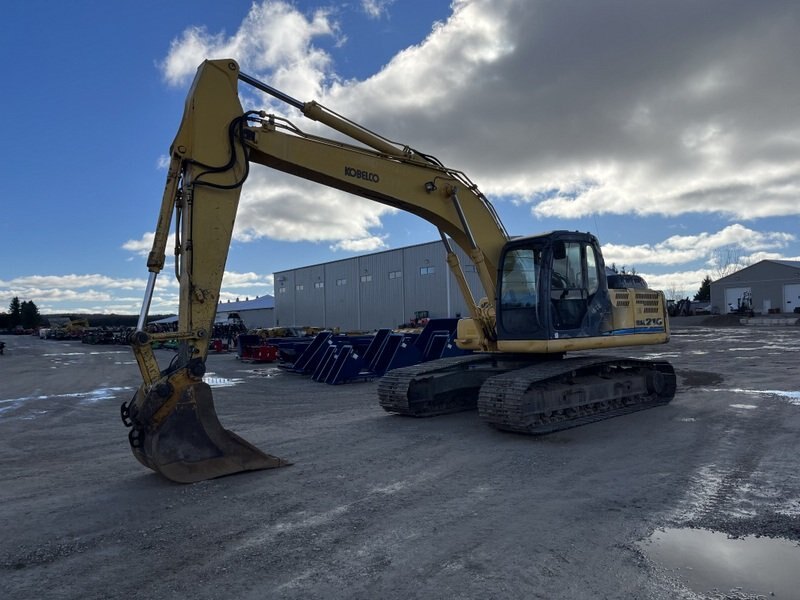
546, 295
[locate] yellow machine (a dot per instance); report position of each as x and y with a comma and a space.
72, 329
545, 295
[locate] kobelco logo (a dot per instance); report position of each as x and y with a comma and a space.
359, 174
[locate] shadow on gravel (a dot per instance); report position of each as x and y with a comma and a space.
691, 379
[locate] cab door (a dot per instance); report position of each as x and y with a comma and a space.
520, 293
580, 305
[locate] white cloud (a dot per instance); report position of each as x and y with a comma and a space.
59, 295
682, 249
420, 91
144, 245
576, 110
375, 9
141, 246
250, 280
281, 207
94, 293
273, 37
675, 285
759, 256
537, 101
738, 244
647, 108
367, 244
73, 281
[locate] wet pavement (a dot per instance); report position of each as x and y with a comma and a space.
696, 499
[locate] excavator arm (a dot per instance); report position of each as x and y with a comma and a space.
174, 427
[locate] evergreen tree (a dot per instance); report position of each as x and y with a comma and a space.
14, 312
29, 315
704, 293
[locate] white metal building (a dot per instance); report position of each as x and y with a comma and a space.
377, 290
769, 286
255, 313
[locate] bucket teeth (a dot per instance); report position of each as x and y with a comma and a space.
188, 444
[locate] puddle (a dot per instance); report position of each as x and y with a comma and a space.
267, 372
659, 355
106, 393
708, 561
10, 406
792, 397
218, 382
34, 414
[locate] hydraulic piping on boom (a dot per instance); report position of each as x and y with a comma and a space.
545, 295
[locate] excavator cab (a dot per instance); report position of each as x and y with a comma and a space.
552, 286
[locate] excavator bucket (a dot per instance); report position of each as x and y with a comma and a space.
188, 443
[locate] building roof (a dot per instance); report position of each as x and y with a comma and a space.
794, 264
388, 250
165, 320
265, 301
788, 263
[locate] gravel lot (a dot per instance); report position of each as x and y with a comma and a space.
381, 506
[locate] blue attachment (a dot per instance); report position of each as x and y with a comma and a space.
336, 359
310, 357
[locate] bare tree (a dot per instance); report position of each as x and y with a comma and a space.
672, 292
728, 259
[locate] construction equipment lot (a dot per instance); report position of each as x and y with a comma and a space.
382, 506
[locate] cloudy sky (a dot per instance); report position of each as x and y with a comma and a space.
670, 129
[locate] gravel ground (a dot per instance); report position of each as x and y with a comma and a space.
381, 506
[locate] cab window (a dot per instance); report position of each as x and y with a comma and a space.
519, 284
592, 278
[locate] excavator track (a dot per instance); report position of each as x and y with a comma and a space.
440, 386
556, 395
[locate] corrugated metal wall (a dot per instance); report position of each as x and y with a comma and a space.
380, 282
373, 291
340, 308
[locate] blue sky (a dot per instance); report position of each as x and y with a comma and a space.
669, 129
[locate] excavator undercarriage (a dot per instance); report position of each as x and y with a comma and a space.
532, 395
578, 390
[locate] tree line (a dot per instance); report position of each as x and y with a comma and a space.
23, 314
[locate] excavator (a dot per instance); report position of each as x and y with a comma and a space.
545, 295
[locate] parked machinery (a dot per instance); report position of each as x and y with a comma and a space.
546, 295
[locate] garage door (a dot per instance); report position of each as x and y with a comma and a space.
735, 296
791, 297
